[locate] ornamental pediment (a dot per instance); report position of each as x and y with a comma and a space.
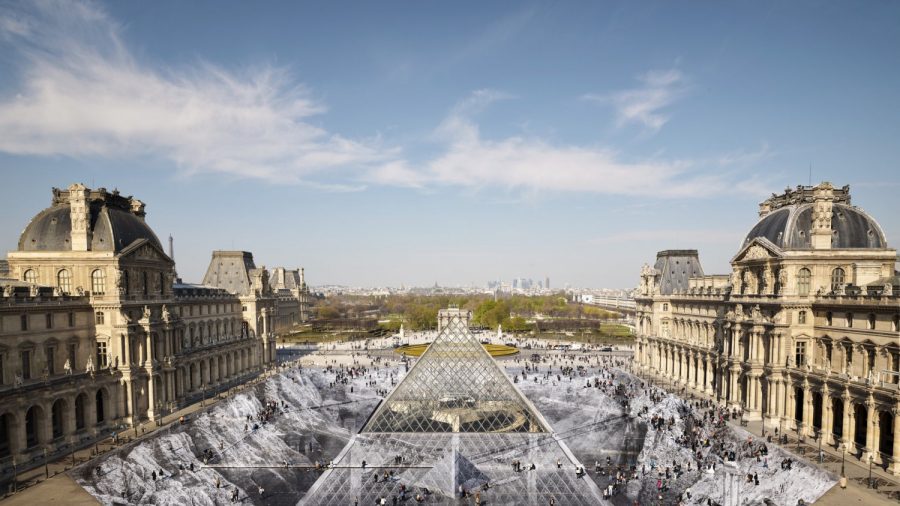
145, 250
759, 248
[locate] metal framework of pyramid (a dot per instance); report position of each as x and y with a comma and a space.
456, 422
456, 386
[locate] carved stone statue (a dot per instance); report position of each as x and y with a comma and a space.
147, 313
67, 367
749, 283
90, 365
738, 312
888, 289
8, 291
769, 277
736, 281
756, 313
165, 313
782, 281
120, 282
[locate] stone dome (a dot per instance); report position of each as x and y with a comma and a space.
789, 227
113, 227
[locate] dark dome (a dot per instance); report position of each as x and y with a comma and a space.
113, 229
789, 227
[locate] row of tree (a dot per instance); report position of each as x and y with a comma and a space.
419, 312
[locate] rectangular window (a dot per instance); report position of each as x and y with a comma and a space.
51, 360
99, 318
23, 321
101, 355
800, 354
71, 319
26, 364
49, 320
191, 310
72, 362
801, 317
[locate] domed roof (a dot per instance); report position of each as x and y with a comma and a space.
113, 228
789, 227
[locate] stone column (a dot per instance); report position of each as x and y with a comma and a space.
847, 436
875, 429
151, 396
870, 425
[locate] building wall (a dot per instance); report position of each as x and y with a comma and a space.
127, 344
800, 352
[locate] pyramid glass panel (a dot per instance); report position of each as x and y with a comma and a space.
456, 386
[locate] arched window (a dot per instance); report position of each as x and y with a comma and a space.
30, 276
64, 281
837, 279
98, 282
803, 281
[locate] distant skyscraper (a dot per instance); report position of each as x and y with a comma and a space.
547, 282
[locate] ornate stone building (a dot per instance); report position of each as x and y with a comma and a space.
804, 334
293, 295
96, 335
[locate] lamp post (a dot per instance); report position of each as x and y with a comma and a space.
871, 459
819, 437
843, 473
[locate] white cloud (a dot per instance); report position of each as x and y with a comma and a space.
643, 105
82, 93
534, 165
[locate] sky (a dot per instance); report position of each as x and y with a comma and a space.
389, 143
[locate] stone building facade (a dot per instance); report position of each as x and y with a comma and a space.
97, 335
803, 334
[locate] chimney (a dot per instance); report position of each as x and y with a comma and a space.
80, 214
823, 197
137, 208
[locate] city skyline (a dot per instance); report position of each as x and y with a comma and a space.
374, 151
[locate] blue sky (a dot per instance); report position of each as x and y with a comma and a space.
388, 143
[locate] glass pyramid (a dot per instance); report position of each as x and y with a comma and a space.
455, 424
456, 386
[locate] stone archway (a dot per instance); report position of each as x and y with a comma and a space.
818, 407
8, 425
58, 418
80, 420
798, 405
35, 423
100, 406
837, 418
886, 438
862, 423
